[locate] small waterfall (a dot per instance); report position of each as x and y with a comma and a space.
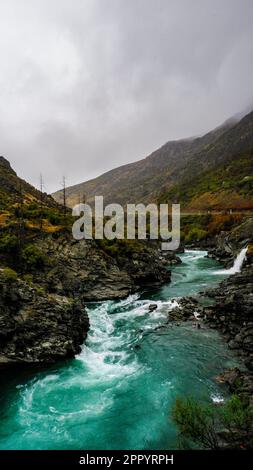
236, 268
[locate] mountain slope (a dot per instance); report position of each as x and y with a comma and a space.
227, 186
175, 162
36, 241
25, 215
11, 186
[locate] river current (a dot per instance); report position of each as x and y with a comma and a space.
118, 393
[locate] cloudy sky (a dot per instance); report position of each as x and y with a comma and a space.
87, 85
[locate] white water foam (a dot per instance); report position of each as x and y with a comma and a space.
217, 399
237, 266
195, 254
108, 351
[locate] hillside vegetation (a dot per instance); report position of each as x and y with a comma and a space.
209, 172
25, 215
228, 186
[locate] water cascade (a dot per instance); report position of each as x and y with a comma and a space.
237, 266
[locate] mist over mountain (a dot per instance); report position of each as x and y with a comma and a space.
169, 173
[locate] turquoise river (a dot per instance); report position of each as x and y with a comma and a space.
117, 394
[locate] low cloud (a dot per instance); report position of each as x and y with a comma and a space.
89, 85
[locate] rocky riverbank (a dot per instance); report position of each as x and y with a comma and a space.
229, 309
227, 244
37, 327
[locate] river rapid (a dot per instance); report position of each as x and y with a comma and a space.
117, 394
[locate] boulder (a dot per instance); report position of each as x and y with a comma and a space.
36, 327
152, 307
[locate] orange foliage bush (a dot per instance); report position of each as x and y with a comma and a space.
223, 222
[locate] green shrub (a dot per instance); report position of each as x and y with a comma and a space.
54, 218
121, 248
236, 414
32, 257
40, 290
10, 274
203, 424
9, 244
28, 278
195, 235
195, 422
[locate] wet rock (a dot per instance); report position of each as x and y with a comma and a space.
36, 327
86, 270
152, 307
233, 344
228, 244
188, 309
175, 314
231, 310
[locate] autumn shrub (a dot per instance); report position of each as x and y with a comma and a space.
223, 222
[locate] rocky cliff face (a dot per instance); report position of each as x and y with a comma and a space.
232, 313
83, 270
228, 244
231, 309
36, 327
44, 319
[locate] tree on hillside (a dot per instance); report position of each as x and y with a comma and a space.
41, 201
64, 196
214, 427
20, 225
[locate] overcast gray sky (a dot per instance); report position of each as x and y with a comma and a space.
87, 85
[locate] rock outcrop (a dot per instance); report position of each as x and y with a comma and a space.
232, 313
36, 327
229, 309
81, 269
44, 320
187, 309
228, 244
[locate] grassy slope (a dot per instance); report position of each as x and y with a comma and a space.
141, 181
175, 168
23, 218
228, 186
24, 222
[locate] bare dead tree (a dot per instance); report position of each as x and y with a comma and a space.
20, 230
81, 198
64, 197
41, 201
